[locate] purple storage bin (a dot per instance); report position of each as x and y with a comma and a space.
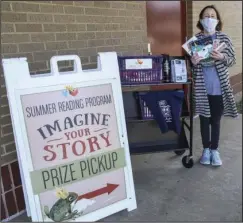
145, 112
134, 71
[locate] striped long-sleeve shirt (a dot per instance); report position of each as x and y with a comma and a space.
200, 94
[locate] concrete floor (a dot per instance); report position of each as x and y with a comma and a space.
166, 191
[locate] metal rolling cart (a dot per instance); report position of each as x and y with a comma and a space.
143, 134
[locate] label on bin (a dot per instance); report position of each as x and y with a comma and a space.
139, 64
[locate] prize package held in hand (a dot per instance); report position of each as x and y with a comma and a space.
187, 47
202, 47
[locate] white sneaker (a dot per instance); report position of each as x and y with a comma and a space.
216, 160
206, 157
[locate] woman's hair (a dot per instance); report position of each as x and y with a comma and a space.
219, 25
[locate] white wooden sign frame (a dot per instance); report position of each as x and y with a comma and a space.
20, 82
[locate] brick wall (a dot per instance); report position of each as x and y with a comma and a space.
12, 198
40, 29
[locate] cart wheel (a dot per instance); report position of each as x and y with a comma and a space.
187, 162
179, 152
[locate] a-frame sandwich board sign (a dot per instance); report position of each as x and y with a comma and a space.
71, 139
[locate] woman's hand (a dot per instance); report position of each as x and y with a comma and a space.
196, 59
217, 55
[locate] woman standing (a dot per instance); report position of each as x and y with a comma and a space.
213, 94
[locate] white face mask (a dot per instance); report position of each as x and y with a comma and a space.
209, 24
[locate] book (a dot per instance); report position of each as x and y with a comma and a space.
187, 47
202, 47
221, 47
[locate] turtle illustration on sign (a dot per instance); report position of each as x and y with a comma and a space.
62, 210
